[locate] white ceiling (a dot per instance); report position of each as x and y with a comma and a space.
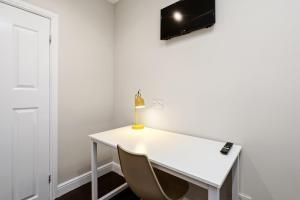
113, 1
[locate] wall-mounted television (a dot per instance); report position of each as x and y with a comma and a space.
186, 16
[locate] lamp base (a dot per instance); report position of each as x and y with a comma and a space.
137, 126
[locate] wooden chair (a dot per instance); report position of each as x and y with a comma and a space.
148, 183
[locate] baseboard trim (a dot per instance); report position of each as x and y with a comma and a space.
78, 181
244, 197
117, 168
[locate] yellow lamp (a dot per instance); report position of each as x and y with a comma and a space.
138, 103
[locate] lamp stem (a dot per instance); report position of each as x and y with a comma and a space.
135, 116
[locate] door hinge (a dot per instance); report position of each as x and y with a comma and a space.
49, 179
50, 39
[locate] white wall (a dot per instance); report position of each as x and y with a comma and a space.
85, 103
237, 81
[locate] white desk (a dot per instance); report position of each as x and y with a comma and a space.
193, 159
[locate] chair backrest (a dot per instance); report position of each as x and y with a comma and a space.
140, 176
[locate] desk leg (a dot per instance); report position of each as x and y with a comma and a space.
94, 170
213, 193
235, 179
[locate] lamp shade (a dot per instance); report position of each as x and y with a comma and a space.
139, 101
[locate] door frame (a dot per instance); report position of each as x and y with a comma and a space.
54, 20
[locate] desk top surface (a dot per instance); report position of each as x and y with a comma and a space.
195, 157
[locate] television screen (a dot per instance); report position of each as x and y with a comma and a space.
186, 16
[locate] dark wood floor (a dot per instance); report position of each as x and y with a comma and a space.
106, 183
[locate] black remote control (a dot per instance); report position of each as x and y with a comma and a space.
225, 150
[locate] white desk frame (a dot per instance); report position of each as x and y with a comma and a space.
212, 187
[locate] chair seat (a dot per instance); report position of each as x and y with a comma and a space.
147, 182
175, 188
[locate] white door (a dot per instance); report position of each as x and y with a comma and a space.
24, 105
